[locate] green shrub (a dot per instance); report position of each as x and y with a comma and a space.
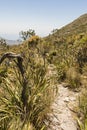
61, 72
82, 113
73, 78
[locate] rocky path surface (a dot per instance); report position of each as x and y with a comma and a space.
63, 114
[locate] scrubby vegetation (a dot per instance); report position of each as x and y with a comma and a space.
26, 95
70, 58
25, 90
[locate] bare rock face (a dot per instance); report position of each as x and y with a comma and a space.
63, 117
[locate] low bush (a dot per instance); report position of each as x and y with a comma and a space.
82, 113
73, 78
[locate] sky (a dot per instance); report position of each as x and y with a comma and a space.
41, 15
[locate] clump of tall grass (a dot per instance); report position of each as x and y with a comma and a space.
24, 99
61, 70
73, 78
82, 113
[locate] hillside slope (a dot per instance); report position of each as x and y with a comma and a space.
78, 26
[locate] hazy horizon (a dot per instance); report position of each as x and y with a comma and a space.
41, 15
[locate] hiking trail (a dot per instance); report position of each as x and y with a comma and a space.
63, 114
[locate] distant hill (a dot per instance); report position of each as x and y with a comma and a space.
76, 27
11, 42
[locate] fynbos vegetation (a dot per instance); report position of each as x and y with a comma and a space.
26, 92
